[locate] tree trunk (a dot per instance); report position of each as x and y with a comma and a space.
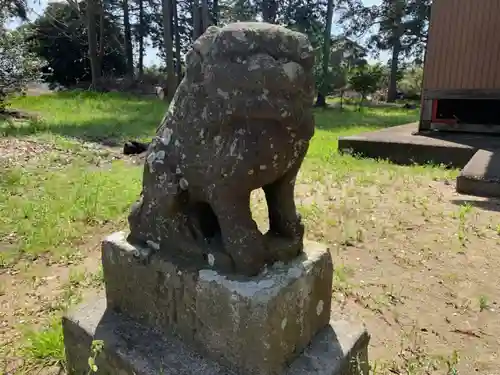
140, 63
95, 67
326, 56
269, 10
101, 34
320, 100
178, 60
393, 79
215, 12
196, 20
397, 33
361, 101
129, 55
205, 16
168, 45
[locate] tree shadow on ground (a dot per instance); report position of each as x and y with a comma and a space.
109, 119
113, 118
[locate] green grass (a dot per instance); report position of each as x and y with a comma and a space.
51, 208
89, 116
115, 117
44, 347
332, 123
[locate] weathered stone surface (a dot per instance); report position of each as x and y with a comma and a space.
129, 348
481, 175
240, 120
258, 324
132, 349
339, 349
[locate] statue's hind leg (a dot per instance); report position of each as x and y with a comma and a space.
284, 220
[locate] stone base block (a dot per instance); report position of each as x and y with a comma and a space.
257, 325
133, 349
481, 175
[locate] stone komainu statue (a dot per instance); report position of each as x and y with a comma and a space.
240, 120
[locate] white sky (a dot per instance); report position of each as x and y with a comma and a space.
151, 57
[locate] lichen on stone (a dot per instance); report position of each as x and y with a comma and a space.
241, 119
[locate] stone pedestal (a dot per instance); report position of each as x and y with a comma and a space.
163, 317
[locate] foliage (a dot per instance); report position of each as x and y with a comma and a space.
417, 14
18, 66
366, 80
345, 55
305, 16
391, 21
411, 82
184, 26
13, 8
237, 10
396, 25
95, 349
60, 37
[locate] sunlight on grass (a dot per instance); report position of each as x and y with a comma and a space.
44, 347
115, 117
73, 192
366, 119
333, 123
47, 211
89, 116
44, 209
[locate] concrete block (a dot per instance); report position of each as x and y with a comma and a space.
256, 325
130, 348
401, 145
481, 176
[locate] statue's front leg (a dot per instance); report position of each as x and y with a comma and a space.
157, 200
241, 238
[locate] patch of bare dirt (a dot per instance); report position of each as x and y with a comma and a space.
14, 150
31, 292
420, 266
415, 261
23, 151
17, 114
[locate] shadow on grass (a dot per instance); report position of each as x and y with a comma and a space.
108, 119
113, 118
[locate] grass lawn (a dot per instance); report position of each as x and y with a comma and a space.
415, 261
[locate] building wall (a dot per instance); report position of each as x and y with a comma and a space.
463, 50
